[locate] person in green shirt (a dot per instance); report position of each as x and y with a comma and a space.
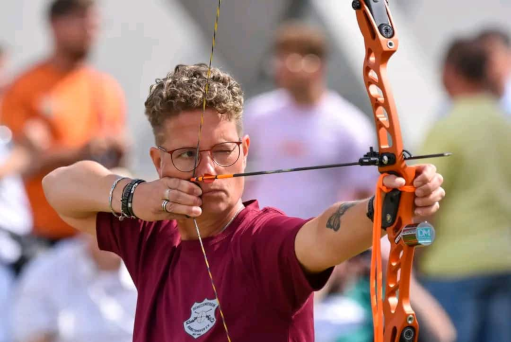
468, 268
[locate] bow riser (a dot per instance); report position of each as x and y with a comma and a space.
399, 318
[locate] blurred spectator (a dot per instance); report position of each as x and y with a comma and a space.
15, 215
342, 311
6, 288
468, 268
343, 307
63, 110
498, 45
15, 218
304, 124
75, 293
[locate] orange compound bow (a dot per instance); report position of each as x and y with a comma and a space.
394, 318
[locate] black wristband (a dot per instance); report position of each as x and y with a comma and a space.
124, 200
127, 198
130, 198
370, 209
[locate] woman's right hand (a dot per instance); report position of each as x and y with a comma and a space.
182, 200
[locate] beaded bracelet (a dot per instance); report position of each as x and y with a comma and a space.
110, 198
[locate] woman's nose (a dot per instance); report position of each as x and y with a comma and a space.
207, 165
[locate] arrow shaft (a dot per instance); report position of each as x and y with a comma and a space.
206, 178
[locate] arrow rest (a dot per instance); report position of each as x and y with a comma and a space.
377, 159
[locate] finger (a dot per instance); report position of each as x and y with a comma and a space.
182, 185
435, 196
430, 186
392, 181
180, 209
424, 174
180, 197
427, 211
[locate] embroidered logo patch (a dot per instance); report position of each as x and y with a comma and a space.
202, 318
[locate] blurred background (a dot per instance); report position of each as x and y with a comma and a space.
143, 41
140, 41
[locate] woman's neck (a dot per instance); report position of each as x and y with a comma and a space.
208, 225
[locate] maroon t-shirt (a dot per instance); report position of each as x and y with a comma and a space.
264, 293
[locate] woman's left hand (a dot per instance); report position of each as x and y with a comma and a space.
428, 192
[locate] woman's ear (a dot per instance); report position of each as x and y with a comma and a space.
245, 146
157, 159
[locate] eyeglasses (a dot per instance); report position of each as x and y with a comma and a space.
223, 154
295, 62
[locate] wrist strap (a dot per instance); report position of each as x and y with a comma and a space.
370, 209
111, 196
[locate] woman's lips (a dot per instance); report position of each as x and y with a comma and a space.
212, 192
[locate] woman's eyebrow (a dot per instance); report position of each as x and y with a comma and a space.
195, 147
179, 148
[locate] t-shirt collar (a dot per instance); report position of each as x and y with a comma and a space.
238, 222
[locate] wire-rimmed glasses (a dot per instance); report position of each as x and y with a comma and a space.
223, 154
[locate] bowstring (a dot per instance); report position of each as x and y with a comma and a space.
201, 124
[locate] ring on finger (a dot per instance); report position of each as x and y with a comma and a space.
164, 206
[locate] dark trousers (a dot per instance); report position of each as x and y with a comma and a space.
480, 307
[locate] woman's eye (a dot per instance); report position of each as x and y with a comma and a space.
187, 154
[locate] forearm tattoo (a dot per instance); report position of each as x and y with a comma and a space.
334, 222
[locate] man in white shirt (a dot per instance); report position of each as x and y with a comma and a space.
6, 287
75, 293
303, 123
15, 216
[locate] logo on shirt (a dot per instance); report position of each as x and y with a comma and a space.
202, 318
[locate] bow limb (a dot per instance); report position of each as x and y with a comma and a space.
394, 318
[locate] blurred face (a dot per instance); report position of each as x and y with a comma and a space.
499, 67
219, 135
450, 80
295, 72
76, 32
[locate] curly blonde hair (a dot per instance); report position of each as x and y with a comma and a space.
183, 90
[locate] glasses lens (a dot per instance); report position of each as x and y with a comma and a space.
294, 62
311, 63
184, 159
226, 154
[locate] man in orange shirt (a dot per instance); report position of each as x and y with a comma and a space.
64, 111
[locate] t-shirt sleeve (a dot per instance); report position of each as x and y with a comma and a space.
137, 242
270, 249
